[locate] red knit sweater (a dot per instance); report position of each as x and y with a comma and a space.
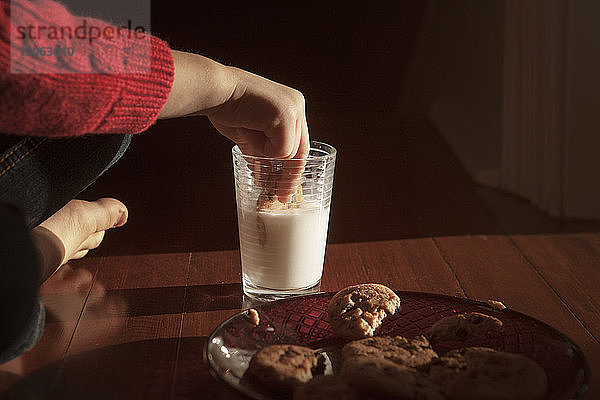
106, 86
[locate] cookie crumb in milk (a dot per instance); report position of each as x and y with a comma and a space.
267, 201
298, 197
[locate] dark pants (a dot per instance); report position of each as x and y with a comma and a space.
38, 176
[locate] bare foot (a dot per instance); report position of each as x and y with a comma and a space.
74, 230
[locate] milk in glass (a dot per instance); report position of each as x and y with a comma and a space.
283, 248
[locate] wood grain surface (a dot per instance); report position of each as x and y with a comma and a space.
130, 321
144, 323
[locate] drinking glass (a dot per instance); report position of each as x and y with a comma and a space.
283, 216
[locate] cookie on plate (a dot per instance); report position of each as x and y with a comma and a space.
461, 327
325, 387
281, 367
383, 379
416, 353
479, 373
356, 311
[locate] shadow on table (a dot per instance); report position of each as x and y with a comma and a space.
152, 369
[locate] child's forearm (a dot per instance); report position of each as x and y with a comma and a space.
199, 85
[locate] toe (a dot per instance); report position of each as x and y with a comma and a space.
108, 213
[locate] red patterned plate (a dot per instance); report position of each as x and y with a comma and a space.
303, 321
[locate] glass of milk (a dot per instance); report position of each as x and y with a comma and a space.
283, 215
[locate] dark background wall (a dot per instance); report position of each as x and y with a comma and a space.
342, 56
346, 55
395, 177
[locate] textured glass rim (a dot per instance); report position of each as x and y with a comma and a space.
314, 144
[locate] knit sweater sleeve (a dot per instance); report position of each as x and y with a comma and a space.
117, 82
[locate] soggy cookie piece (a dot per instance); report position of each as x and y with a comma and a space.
270, 203
281, 367
460, 327
478, 373
325, 387
379, 378
356, 311
416, 353
253, 316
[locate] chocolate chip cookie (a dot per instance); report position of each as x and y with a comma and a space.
416, 353
356, 311
383, 379
461, 327
479, 373
325, 387
282, 367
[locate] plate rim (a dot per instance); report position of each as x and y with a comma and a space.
581, 390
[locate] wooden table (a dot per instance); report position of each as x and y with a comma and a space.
131, 327
131, 319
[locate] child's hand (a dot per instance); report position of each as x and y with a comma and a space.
262, 117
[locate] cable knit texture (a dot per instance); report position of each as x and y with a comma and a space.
115, 84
